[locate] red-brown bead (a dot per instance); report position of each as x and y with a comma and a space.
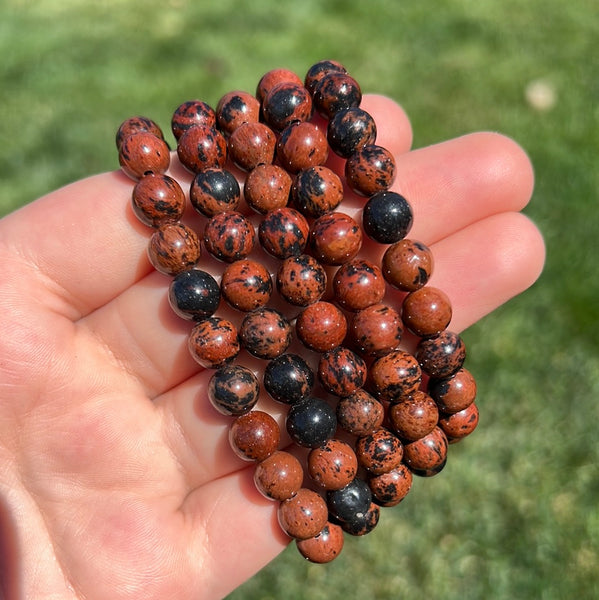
390, 488
341, 371
136, 125
142, 153
460, 424
370, 169
301, 146
379, 452
174, 247
267, 187
283, 232
324, 547
321, 326
441, 356
213, 342
428, 455
332, 465
426, 312
279, 476
236, 108
335, 238
407, 265
454, 393
254, 436
357, 284
190, 114
157, 199
229, 236
375, 330
304, 515
252, 144
246, 285
360, 413
272, 78
201, 147
316, 191
265, 333
301, 280
395, 375
414, 416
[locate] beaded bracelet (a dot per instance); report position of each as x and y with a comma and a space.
369, 414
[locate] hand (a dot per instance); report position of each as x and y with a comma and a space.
116, 478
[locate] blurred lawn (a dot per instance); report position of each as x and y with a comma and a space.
515, 513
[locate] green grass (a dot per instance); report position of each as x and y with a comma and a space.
515, 513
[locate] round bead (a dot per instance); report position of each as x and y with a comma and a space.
190, 114
157, 199
332, 465
285, 103
213, 342
370, 169
173, 248
316, 191
335, 238
428, 455
375, 330
389, 489
311, 423
321, 326
379, 452
301, 280
142, 153
349, 130
254, 435
455, 393
265, 333
387, 217
341, 371
442, 355
229, 236
414, 416
214, 190
324, 547
363, 523
267, 187
236, 108
279, 476
395, 375
336, 91
358, 284
201, 147
318, 70
360, 413
460, 424
302, 145
288, 379
407, 265
252, 144
233, 390
304, 515
272, 78
283, 232
194, 294
350, 502
136, 125
426, 312
246, 285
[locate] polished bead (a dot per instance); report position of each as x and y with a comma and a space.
442, 355
427, 456
142, 153
321, 326
460, 424
201, 147
194, 294
364, 522
390, 488
191, 114
413, 416
265, 333
302, 145
379, 452
336, 91
236, 108
333, 465
283, 232
288, 379
318, 70
304, 515
370, 169
454, 393
229, 236
301, 280
136, 125
324, 547
252, 144
214, 190
335, 238
285, 103
254, 435
233, 390
358, 284
311, 423
407, 265
316, 191
246, 285
341, 371
279, 476
267, 187
360, 413
272, 78
387, 217
157, 199
351, 501
173, 248
426, 312
349, 130
213, 342
375, 330
394, 375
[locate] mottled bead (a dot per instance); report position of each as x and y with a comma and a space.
360, 413
316, 191
357, 284
265, 333
324, 547
311, 422
454, 393
136, 125
318, 70
302, 145
333, 465
213, 342
236, 108
349, 130
304, 515
283, 232
246, 285
202, 147
394, 375
375, 330
341, 371
379, 452
157, 199
334, 92
349, 502
387, 217
229, 236
321, 326
254, 435
442, 355
370, 169
389, 489
335, 238
288, 379
414, 416
233, 390
214, 190
252, 144
301, 280
194, 294
142, 153
363, 522
426, 312
285, 103
191, 114
407, 265
279, 476
427, 456
173, 248
267, 187
272, 78
460, 424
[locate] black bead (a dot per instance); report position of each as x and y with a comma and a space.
351, 502
349, 130
288, 379
363, 522
387, 217
233, 390
194, 294
311, 422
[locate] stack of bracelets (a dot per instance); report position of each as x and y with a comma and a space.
368, 414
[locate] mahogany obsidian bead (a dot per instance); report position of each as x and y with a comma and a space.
335, 238
213, 342
246, 285
214, 190
321, 326
387, 217
379, 452
389, 489
357, 284
229, 236
301, 280
288, 379
349, 502
442, 355
142, 153
190, 114
360, 413
427, 456
202, 147
233, 390
311, 422
318, 70
316, 191
363, 523
413, 416
283, 232
394, 375
370, 169
332, 465
265, 333
157, 199
254, 435
279, 476
272, 78
349, 130
426, 312
334, 92
136, 125
407, 265
302, 145
252, 144
194, 294
174, 247
285, 103
267, 187
324, 547
236, 108
460, 424
454, 393
375, 330
304, 515
341, 371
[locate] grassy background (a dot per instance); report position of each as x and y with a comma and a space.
515, 513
